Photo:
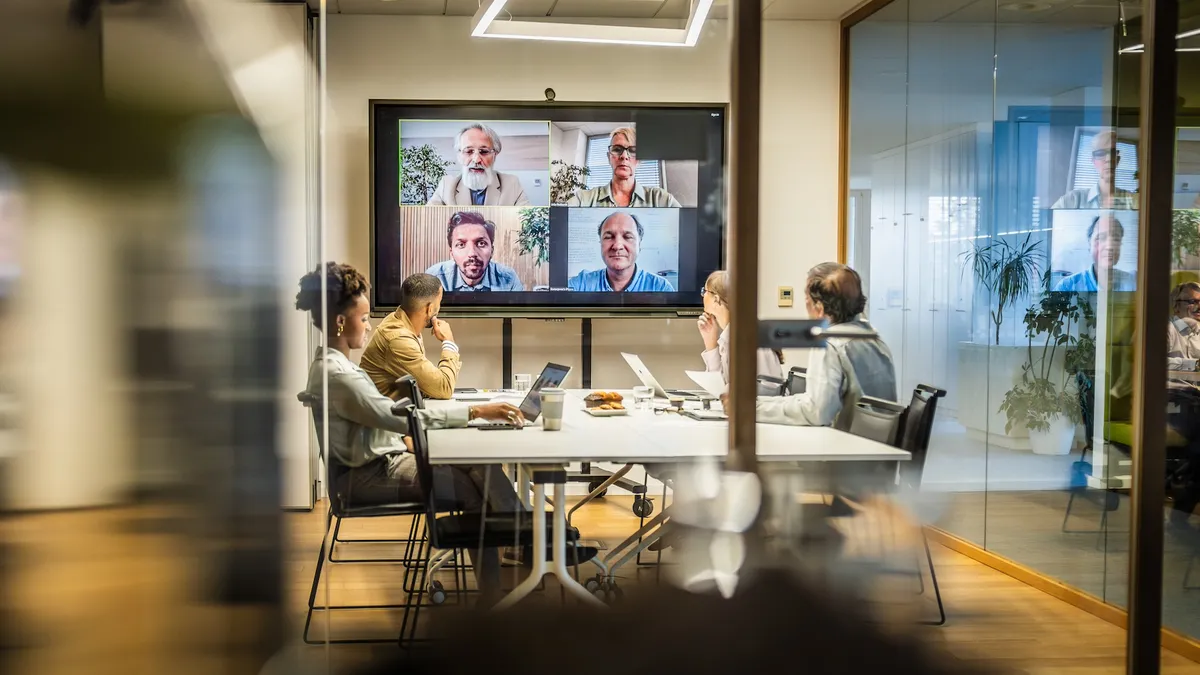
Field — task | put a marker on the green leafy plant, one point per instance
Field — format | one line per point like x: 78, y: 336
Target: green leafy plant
x: 1185, y: 233
x: 535, y: 233
x: 1059, y: 321
x: 1007, y: 271
x: 421, y: 171
x: 566, y: 180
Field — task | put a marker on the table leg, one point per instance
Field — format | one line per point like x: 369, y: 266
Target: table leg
x: 540, y: 567
x: 560, y: 549
x: 523, y: 489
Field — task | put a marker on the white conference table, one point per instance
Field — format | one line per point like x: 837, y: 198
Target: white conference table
x: 642, y: 437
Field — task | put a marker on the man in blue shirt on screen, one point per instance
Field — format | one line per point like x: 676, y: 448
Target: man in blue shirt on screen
x: 1105, y: 235
x: 620, y: 240
x: 472, y: 241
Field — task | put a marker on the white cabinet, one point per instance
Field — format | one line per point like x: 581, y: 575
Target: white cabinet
x: 925, y: 213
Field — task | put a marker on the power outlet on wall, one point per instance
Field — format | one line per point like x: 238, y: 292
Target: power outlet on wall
x: 785, y: 296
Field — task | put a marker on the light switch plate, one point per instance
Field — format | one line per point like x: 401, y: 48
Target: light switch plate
x: 785, y: 296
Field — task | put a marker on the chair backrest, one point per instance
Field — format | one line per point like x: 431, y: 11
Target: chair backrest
x: 797, y: 381
x: 771, y: 386
x: 918, y: 425
x: 421, y: 454
x: 407, y: 386
x: 878, y: 420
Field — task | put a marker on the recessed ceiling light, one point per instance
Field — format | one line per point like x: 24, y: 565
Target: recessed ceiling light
x: 1024, y: 6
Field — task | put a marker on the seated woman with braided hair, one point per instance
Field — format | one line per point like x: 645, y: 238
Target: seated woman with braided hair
x: 367, y: 439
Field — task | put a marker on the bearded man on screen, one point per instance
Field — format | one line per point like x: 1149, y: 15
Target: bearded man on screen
x: 478, y: 183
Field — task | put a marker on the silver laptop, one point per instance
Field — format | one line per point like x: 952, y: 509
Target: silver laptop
x: 553, y: 375
x: 643, y: 374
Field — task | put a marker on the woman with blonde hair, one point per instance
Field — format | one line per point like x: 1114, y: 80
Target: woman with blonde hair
x: 623, y: 190
x: 714, y: 328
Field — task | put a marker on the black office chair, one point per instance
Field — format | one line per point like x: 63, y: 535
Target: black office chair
x: 771, y: 386
x: 407, y: 386
x: 914, y: 438
x: 467, y: 531
x: 341, y: 507
x: 878, y: 420
x: 797, y: 380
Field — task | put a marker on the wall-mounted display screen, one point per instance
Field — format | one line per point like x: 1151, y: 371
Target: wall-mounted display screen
x: 546, y: 208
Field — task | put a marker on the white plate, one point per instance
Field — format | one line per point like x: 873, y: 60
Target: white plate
x: 595, y: 412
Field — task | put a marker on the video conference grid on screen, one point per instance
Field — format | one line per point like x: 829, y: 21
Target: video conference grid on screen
x: 543, y: 206
x: 1093, y: 218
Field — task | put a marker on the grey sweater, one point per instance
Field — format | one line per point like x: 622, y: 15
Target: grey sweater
x: 361, y: 424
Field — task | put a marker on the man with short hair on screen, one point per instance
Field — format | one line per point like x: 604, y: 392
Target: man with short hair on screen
x: 621, y: 237
x: 478, y: 183
x: 1105, y: 235
x: 1104, y: 194
x: 472, y: 238
x: 623, y: 189
x: 397, y: 348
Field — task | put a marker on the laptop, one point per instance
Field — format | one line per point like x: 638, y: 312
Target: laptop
x: 553, y: 375
x: 643, y: 374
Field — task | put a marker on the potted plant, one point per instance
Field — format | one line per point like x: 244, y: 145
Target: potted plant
x: 421, y: 171
x: 1185, y: 234
x: 566, y: 181
x: 1046, y: 400
x: 1008, y: 270
x: 534, y: 236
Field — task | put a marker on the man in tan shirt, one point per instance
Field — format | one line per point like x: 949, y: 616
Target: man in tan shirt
x: 396, y: 349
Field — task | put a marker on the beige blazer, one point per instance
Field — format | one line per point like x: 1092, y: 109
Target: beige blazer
x: 397, y: 349
x: 504, y: 190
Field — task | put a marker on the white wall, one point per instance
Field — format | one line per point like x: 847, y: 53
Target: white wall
x: 432, y: 58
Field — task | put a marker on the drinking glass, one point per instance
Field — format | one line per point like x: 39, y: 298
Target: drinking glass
x: 643, y: 398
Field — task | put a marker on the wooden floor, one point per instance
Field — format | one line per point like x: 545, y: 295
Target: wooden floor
x: 116, y: 591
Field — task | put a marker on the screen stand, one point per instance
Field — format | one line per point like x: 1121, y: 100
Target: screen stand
x: 585, y: 346
x: 506, y: 354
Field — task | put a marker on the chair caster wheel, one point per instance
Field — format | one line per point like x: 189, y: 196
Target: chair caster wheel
x: 592, y: 585
x: 592, y: 486
x: 642, y: 508
x: 437, y: 593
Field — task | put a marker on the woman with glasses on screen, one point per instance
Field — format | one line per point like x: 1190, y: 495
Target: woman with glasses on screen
x: 714, y: 329
x: 623, y: 190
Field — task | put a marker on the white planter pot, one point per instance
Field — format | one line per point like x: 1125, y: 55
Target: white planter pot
x: 1056, y: 440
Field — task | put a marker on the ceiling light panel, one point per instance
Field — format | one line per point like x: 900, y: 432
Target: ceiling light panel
x: 492, y: 21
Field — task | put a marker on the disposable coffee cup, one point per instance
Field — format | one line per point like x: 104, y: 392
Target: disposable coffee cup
x: 552, y: 409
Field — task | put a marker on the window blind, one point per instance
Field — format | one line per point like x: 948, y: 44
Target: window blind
x: 1086, y: 175
x: 648, y: 173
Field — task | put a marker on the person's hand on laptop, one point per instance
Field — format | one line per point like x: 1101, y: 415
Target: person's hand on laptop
x: 441, y: 331
x: 497, y: 412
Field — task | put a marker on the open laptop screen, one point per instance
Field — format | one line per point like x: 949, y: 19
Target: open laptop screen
x: 553, y: 375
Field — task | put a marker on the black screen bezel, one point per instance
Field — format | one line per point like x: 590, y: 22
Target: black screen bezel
x: 384, y: 142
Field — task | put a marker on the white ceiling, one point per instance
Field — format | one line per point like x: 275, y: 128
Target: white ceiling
x: 811, y: 10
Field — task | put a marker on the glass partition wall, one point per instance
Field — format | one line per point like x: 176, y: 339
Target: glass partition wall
x: 996, y: 146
